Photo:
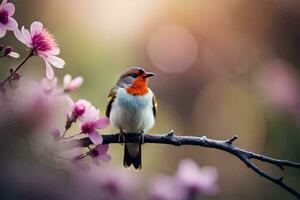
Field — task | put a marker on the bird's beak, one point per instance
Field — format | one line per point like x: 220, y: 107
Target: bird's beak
x: 148, y: 74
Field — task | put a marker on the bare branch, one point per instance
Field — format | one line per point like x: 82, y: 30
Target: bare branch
x: 224, y: 145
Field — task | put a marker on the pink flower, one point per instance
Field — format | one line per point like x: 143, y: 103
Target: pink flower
x: 42, y: 44
x: 6, y: 21
x: 278, y: 85
x: 117, y: 183
x: 197, y: 179
x: 167, y: 188
x: 99, y: 153
x: 91, y: 121
x: 111, y: 183
x: 80, y: 107
x: 72, y: 84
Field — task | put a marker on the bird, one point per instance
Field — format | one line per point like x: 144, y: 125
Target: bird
x: 132, y: 108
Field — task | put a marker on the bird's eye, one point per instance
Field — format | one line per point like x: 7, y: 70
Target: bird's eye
x: 134, y: 75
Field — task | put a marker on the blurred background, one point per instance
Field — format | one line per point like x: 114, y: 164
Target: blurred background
x: 223, y: 68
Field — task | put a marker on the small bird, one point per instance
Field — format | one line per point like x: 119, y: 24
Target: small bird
x: 132, y: 108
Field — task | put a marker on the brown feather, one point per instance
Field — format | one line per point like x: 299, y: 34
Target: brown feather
x: 111, y: 99
x: 155, y: 105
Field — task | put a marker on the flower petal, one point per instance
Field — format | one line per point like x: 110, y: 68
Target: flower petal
x: 12, y: 24
x: 56, y: 61
x: 75, y: 83
x: 2, y: 31
x: 95, y: 137
x: 26, y: 35
x: 105, y: 157
x: 102, y: 148
x: 102, y: 123
x: 49, y: 70
x: 67, y: 80
x: 36, y: 27
x: 55, y: 51
x: 95, y: 160
x: 91, y: 114
x: 3, y: 3
x: 14, y: 54
x: 18, y: 35
x: 10, y: 8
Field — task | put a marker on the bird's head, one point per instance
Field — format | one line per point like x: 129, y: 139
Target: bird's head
x: 134, y: 80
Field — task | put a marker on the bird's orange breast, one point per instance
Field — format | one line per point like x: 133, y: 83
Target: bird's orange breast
x: 138, y: 87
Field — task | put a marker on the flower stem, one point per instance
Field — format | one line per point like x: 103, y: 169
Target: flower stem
x: 18, y: 67
x: 63, y: 135
x: 80, y: 157
x: 72, y: 136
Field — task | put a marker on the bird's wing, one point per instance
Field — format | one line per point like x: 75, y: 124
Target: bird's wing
x: 154, y: 103
x: 111, y: 99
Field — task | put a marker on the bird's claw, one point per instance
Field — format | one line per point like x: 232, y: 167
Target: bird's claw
x: 121, y: 138
x: 142, y: 138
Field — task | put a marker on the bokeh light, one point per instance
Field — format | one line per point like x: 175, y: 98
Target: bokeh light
x: 172, y: 49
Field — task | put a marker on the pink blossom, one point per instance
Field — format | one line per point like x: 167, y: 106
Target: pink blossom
x: 99, y: 153
x: 197, y: 179
x: 167, y: 188
x: 80, y: 107
x: 6, y: 21
x: 72, y: 84
x: 30, y: 102
x: 7, y: 51
x: 43, y: 44
x: 112, y: 183
x: 91, y: 121
x: 117, y: 183
x: 279, y: 86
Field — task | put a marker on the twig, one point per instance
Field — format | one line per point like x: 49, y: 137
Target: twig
x: 30, y: 54
x: 224, y: 145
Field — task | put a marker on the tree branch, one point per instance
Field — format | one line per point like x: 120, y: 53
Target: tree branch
x: 224, y: 145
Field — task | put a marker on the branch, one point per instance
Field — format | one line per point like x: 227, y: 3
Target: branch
x: 224, y: 145
x: 30, y: 54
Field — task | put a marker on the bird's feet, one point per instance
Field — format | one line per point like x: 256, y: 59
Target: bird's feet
x: 142, y: 138
x: 121, y: 138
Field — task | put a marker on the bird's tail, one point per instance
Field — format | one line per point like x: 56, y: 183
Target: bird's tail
x: 132, y: 155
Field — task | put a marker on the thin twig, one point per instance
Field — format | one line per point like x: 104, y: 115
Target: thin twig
x: 70, y: 137
x: 224, y: 145
x: 30, y: 54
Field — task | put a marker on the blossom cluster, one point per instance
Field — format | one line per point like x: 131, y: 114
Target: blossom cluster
x: 81, y: 110
x: 33, y: 107
x: 189, y: 180
x: 38, y: 39
x: 41, y: 42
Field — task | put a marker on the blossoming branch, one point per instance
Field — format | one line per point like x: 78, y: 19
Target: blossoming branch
x: 37, y: 103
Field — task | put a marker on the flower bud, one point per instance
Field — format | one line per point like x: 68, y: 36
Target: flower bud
x: 78, y: 110
x: 7, y: 50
